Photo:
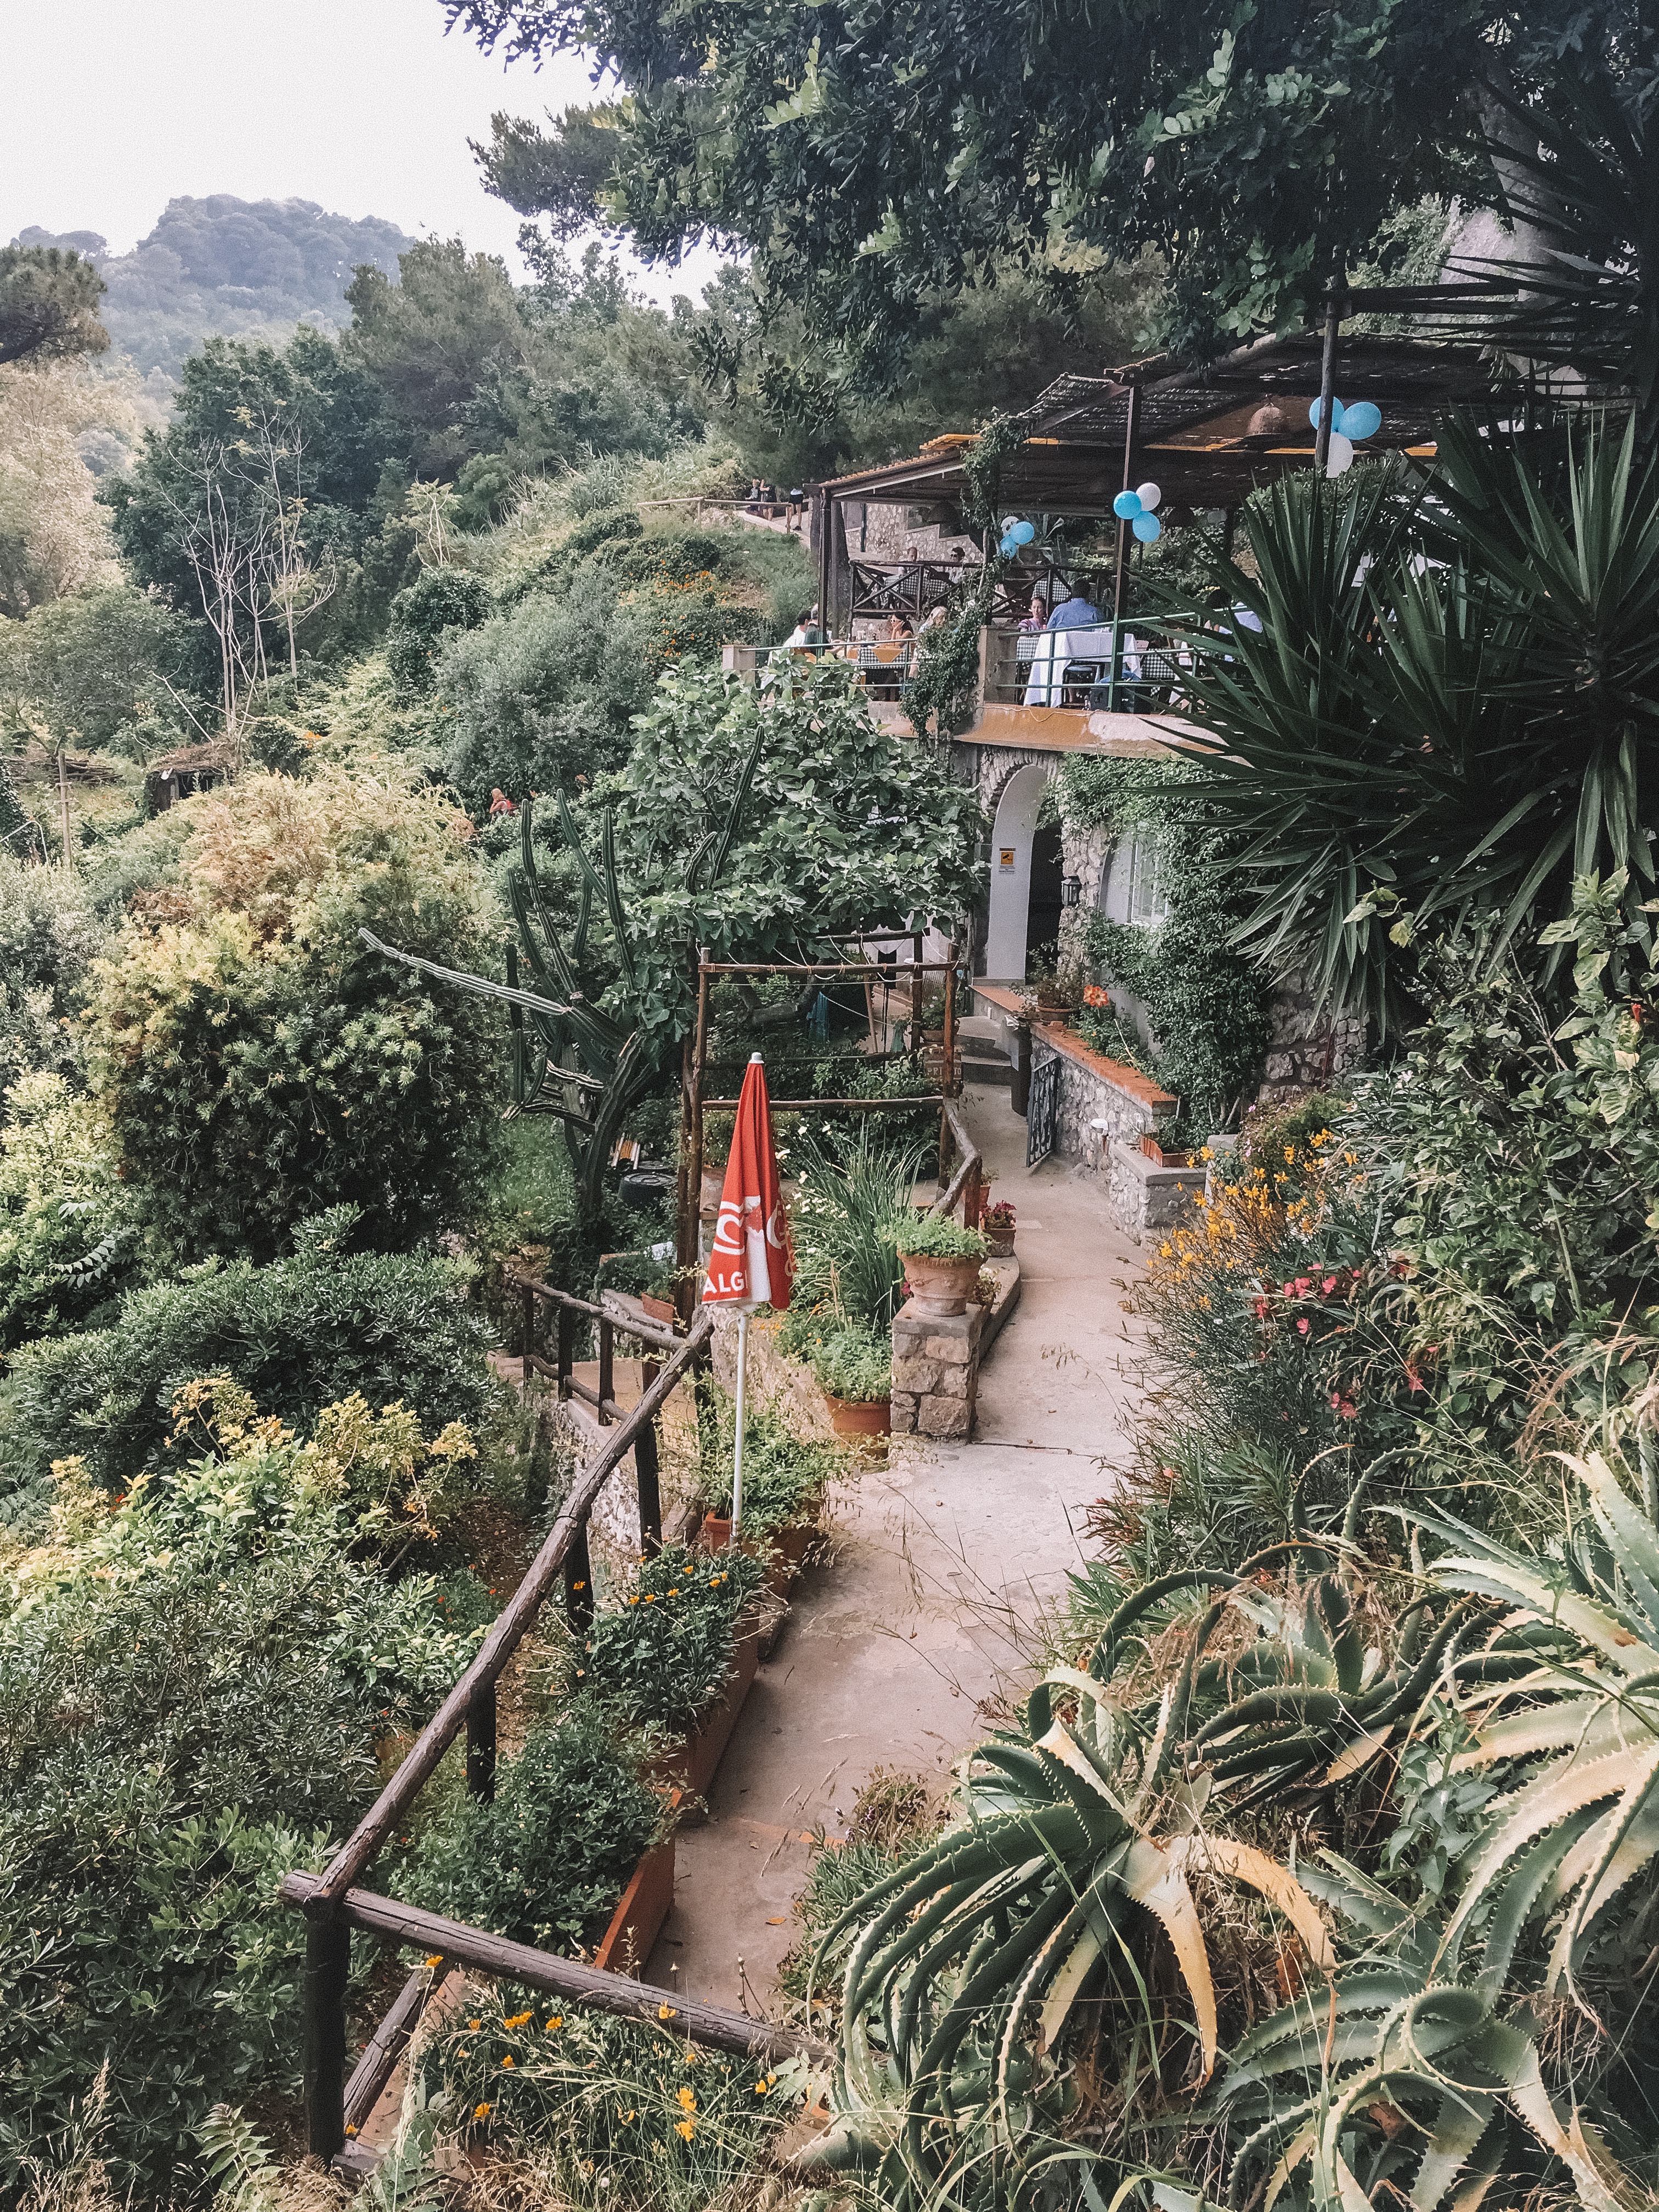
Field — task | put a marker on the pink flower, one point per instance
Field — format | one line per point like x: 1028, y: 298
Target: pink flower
x: 1302, y: 1326
x: 1328, y: 1284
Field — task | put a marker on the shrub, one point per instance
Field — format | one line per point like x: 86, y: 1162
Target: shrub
x: 258, y: 1063
x: 191, y: 1690
x: 439, y: 600
x: 846, y: 1224
x: 784, y: 1479
x: 855, y: 1366
x: 297, y: 1336
x: 51, y: 934
x: 545, y: 1861
x: 597, y: 2111
x: 66, y: 1231
x: 663, y: 1656
x: 940, y: 1237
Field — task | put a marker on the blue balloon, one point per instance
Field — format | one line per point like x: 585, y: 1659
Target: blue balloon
x: 1146, y: 527
x: 1127, y: 505
x: 1007, y: 549
x: 1023, y: 533
x: 1338, y: 413
x: 1364, y: 421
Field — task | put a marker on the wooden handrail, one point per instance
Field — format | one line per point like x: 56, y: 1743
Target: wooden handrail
x: 510, y: 1625
x: 522, y: 1964
x: 967, y: 1173
x: 649, y: 1332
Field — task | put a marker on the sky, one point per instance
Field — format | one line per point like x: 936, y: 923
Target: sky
x: 113, y: 107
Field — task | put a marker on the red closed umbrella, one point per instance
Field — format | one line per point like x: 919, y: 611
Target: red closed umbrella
x: 751, y: 1263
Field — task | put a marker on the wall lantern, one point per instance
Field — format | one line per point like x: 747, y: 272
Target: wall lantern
x: 1071, y: 890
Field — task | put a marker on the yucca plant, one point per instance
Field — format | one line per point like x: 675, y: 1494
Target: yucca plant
x: 1450, y: 705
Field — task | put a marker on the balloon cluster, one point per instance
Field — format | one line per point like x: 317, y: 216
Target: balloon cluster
x: 1014, y: 535
x: 1135, y: 508
x: 1348, y: 425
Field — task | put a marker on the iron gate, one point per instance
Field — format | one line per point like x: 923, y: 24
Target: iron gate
x: 1043, y: 1110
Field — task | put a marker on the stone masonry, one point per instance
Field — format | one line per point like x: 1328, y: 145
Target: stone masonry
x: 936, y: 1372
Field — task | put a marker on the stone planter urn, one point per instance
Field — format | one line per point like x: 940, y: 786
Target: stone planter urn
x: 941, y: 1286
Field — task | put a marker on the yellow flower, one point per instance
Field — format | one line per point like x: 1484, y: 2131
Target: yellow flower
x: 686, y: 2127
x: 556, y: 2023
x: 517, y: 2021
x: 482, y: 2111
x: 687, y: 2097
x: 436, y: 1958
x: 665, y: 2012
x: 507, y: 2061
x: 475, y: 2024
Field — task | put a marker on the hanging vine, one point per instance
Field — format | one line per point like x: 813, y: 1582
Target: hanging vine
x: 947, y: 682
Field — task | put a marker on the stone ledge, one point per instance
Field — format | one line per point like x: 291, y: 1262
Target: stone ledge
x: 1147, y: 1199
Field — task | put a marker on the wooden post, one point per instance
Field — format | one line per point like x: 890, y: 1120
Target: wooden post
x: 646, y: 1472
x: 529, y: 1335
x: 946, y: 1084
x: 480, y: 1741
x: 915, y: 1000
x: 1336, y: 298
x: 567, y: 1353
x: 690, y: 1232
x: 63, y: 802
x: 1119, y: 581
x: 607, y: 1369
x: 328, y: 1963
x: 579, y: 1585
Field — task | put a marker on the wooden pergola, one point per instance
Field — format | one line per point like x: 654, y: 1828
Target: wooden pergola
x: 1208, y: 437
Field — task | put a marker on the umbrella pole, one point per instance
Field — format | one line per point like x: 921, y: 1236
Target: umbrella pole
x: 737, y: 1441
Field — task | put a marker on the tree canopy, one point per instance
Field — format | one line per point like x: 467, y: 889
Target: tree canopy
x: 48, y: 304
x: 870, y: 157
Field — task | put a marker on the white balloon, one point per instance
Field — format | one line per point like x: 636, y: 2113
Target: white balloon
x: 1149, y: 495
x: 1340, y: 457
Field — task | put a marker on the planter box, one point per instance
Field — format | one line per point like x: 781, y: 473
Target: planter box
x: 692, y: 1768
x: 660, y: 1309
x: 1001, y: 1242
x: 637, y: 1921
x: 1160, y: 1158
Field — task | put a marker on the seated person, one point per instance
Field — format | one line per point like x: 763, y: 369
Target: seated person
x: 1036, y: 616
x: 806, y: 632
x: 1075, y: 613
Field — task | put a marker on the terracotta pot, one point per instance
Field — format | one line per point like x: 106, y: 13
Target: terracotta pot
x: 716, y: 1533
x: 859, y: 1417
x: 941, y: 1286
x: 713, y: 1182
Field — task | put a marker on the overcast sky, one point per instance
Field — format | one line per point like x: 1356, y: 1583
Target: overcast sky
x: 113, y: 107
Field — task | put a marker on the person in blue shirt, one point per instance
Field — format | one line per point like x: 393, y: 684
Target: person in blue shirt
x: 1076, y: 613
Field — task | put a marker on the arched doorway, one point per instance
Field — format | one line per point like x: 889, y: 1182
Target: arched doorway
x: 1042, y: 905
x: 1008, y: 924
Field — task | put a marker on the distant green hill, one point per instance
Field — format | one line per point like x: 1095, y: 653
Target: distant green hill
x: 239, y: 268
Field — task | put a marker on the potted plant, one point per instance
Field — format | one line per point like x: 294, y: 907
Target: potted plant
x: 942, y: 1260
x: 1174, y: 1157
x: 998, y: 1223
x: 854, y: 1370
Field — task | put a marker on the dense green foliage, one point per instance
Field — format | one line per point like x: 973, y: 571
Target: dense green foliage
x: 546, y: 1859
x: 49, y: 298
x: 67, y: 1230
x: 191, y: 1690
x: 1207, y: 1005
x: 299, y: 1336
x: 662, y: 1656
x: 1368, y: 794
x: 871, y: 164
x: 257, y: 1064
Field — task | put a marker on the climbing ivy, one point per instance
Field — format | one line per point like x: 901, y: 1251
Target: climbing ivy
x: 1209, y: 1007
x: 946, y: 681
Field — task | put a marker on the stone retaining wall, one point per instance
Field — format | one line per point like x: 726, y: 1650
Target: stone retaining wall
x: 1148, y: 1201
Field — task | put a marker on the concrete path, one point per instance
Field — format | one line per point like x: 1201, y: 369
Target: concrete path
x: 899, y: 1652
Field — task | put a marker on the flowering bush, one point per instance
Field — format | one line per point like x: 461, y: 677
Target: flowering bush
x: 663, y: 1655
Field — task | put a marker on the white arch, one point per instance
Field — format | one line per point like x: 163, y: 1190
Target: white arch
x: 1010, y: 873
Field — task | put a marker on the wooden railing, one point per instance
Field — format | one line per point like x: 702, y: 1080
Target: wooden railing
x: 966, y: 1187
x: 334, y: 1903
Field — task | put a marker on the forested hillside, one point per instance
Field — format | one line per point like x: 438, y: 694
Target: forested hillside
x: 230, y: 268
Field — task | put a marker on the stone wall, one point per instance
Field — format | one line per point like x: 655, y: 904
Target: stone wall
x: 1307, y: 1050
x: 936, y: 1372
x: 1148, y: 1201
x: 1099, y: 1100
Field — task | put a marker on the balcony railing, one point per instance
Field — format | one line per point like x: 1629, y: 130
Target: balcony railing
x: 1109, y: 664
